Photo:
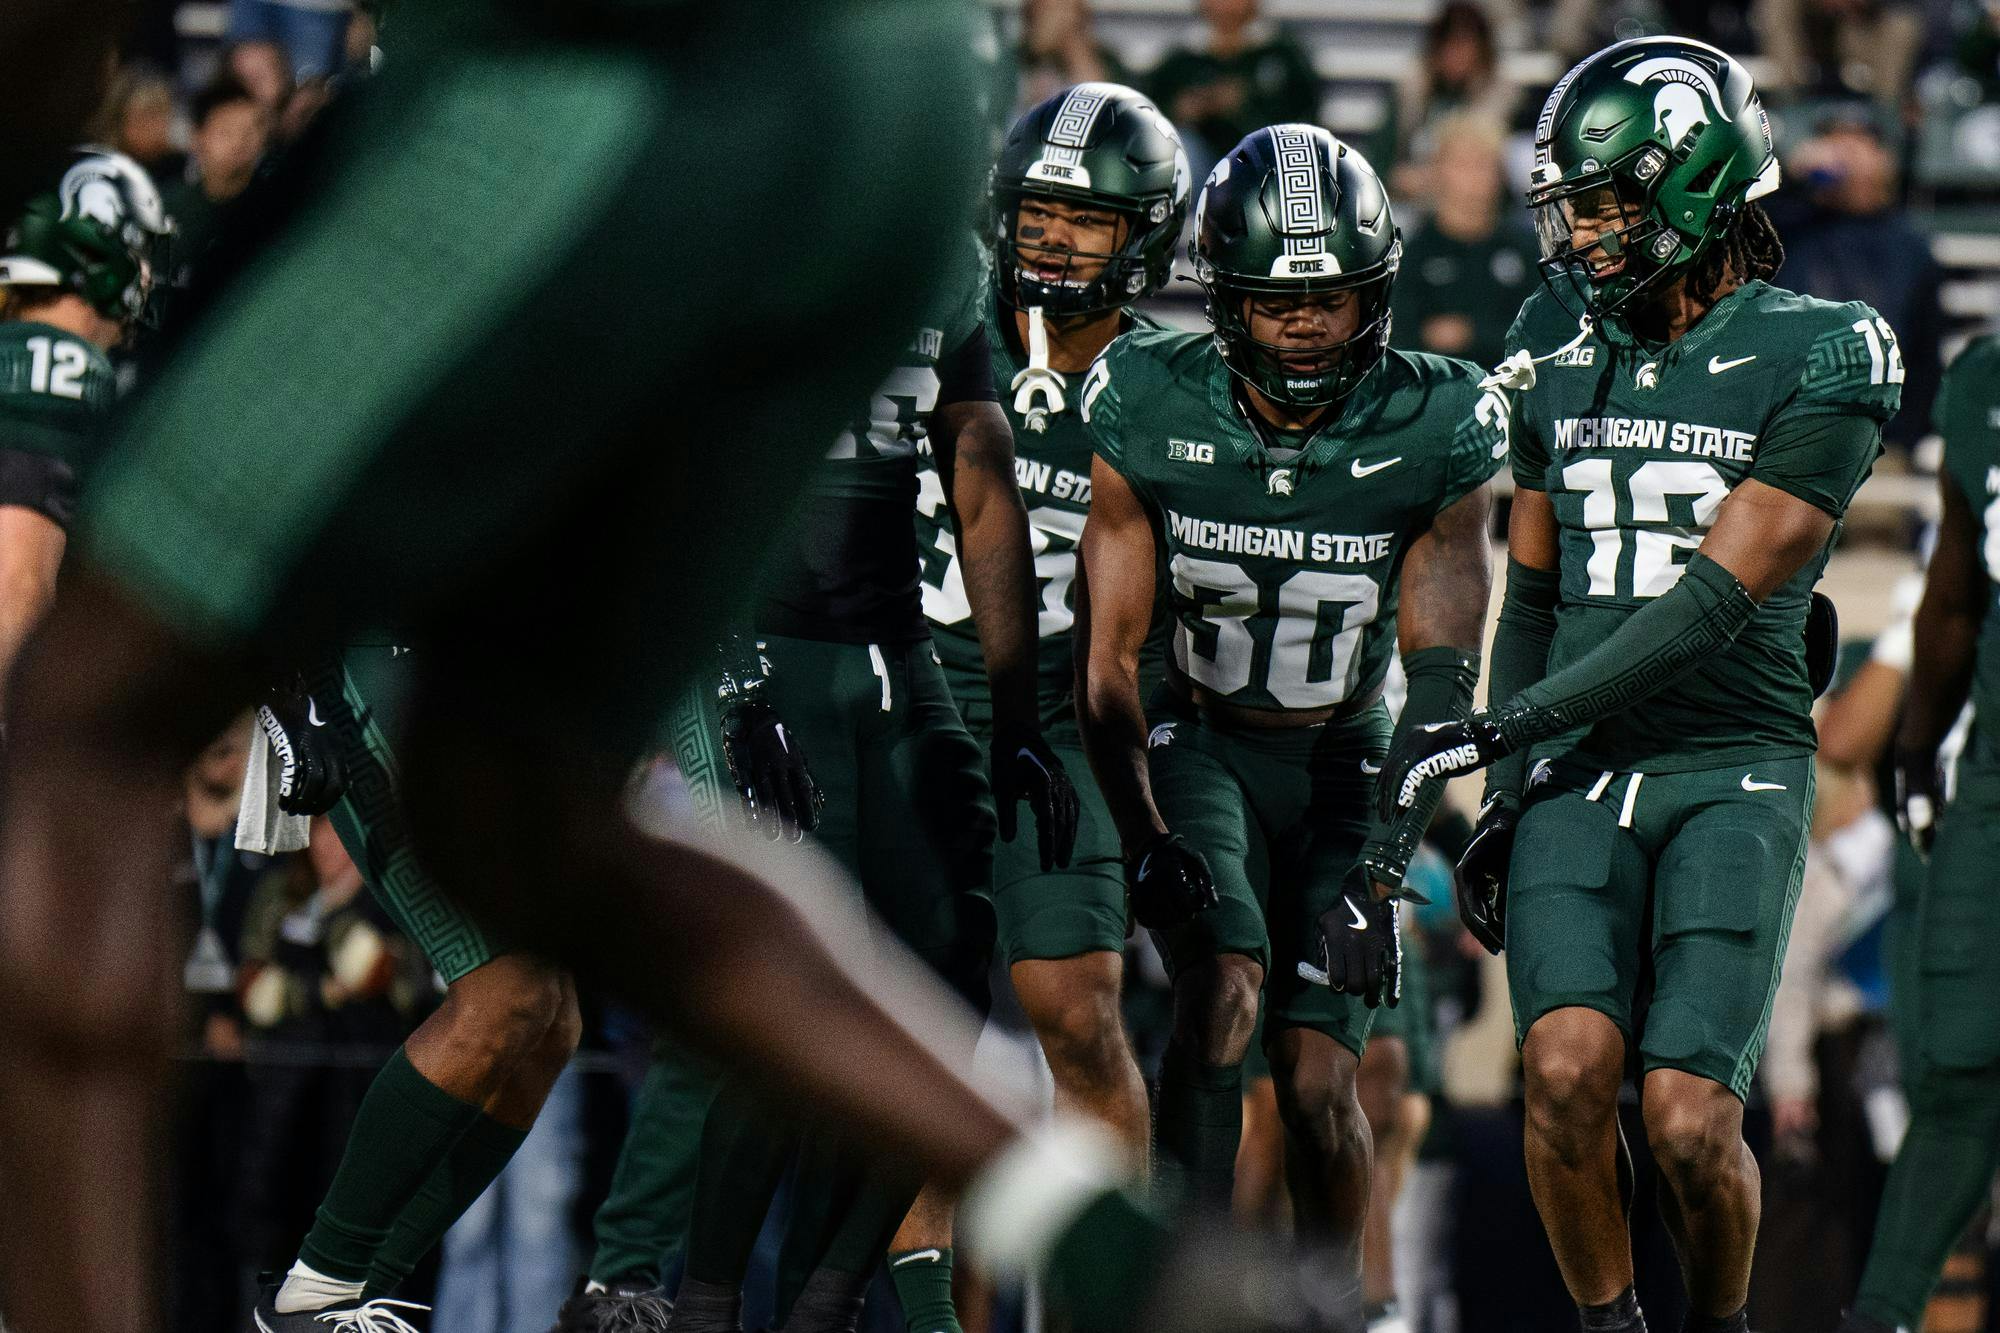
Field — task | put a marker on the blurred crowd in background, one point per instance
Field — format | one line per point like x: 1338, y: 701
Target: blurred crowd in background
x: 1887, y: 114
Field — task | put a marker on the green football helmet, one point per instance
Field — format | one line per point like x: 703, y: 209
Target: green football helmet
x: 1658, y: 142
x: 1104, y: 145
x: 101, y: 233
x: 1288, y: 212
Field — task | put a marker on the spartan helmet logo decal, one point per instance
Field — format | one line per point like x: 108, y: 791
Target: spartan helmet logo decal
x: 1279, y: 482
x: 1648, y: 376
x: 1687, y: 99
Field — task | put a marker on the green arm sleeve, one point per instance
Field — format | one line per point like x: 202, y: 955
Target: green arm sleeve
x: 1521, y: 642
x: 1657, y: 645
x: 1441, y: 683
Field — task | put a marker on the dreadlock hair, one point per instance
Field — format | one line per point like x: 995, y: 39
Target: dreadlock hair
x: 1748, y: 251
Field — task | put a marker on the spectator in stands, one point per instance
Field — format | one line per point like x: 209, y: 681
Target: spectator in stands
x: 1977, y: 50
x: 1848, y: 239
x: 1241, y: 74
x: 1578, y: 27
x: 1459, y: 72
x: 1469, y: 265
x: 312, y: 34
x: 138, y: 120
x: 263, y: 68
x: 1829, y: 48
x: 1059, y: 47
x: 232, y: 128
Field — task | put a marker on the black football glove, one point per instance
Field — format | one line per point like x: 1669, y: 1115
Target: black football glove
x: 1480, y: 877
x: 1435, y: 750
x: 779, y: 795
x: 311, y: 777
x: 1919, y: 797
x: 1169, y: 883
x: 1023, y: 767
x: 1360, y: 944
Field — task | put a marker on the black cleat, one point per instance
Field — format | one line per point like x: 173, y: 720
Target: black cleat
x: 357, y: 1316
x: 627, y: 1305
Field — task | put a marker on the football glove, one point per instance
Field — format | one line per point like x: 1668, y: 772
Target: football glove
x: 1480, y: 877
x: 1435, y: 750
x: 1023, y: 767
x: 1169, y: 883
x: 779, y: 795
x: 1919, y: 797
x: 311, y: 776
x: 1360, y: 944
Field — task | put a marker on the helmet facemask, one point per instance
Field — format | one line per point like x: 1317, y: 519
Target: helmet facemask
x: 1340, y: 366
x: 1122, y: 276
x: 1624, y: 252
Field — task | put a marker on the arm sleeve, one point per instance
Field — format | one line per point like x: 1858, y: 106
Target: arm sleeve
x: 1655, y: 646
x: 1521, y: 643
x: 1441, y: 685
x: 965, y: 374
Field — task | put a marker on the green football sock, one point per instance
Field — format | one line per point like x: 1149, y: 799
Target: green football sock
x: 473, y: 1164
x: 923, y: 1285
x: 1196, y: 1126
x: 1939, y: 1181
x: 405, y: 1128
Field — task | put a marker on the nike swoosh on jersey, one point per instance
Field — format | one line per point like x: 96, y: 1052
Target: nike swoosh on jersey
x: 1360, y: 922
x: 312, y: 711
x: 1749, y: 785
x: 1716, y: 365
x: 1370, y: 769
x: 1371, y: 469
x: 918, y: 1257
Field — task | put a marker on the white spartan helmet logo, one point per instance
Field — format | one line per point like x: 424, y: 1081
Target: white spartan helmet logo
x: 1648, y: 376
x: 1279, y: 482
x: 1683, y: 101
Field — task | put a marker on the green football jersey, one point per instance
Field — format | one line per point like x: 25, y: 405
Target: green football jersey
x: 848, y: 570
x: 1283, y: 572
x: 1052, y: 467
x: 55, y: 390
x: 1968, y: 416
x: 1637, y: 448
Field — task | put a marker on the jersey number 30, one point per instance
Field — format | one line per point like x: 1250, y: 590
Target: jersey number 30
x: 1315, y: 641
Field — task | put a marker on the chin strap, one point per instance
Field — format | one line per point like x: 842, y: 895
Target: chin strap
x: 1516, y: 374
x: 1038, y: 381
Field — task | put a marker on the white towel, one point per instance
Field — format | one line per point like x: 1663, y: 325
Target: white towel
x: 260, y: 825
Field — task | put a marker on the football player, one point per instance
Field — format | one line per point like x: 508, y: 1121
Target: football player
x: 1948, y: 1157
x: 908, y: 810
x: 1686, y: 437
x: 1086, y: 206
x: 76, y: 274
x: 451, y: 1106
x: 1314, y: 497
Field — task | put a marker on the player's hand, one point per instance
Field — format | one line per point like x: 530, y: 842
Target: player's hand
x: 1919, y: 797
x: 1480, y: 877
x: 1435, y: 750
x: 1025, y: 768
x: 779, y: 794
x: 1169, y: 882
x: 1360, y: 944
x: 311, y: 777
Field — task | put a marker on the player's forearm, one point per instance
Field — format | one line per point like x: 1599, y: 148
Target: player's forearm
x: 26, y: 594
x: 1521, y: 643
x: 999, y: 578
x: 1655, y: 646
x: 1114, y: 740
x: 1940, y: 676
x: 1441, y: 685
